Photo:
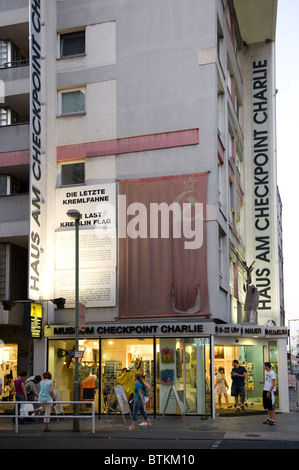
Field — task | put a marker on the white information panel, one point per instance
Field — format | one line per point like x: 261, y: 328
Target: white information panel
x: 97, y: 245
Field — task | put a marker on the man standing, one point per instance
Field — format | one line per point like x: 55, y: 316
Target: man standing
x: 268, y: 393
x: 238, y: 375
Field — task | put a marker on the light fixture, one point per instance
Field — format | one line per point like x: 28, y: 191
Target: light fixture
x: 59, y: 302
x: 74, y: 214
x: 8, y: 304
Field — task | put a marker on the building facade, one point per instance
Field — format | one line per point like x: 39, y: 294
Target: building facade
x: 156, y: 122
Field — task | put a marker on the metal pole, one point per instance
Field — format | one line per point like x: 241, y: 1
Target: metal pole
x: 291, y: 367
x: 76, y: 216
x: 290, y: 342
x: 76, y: 379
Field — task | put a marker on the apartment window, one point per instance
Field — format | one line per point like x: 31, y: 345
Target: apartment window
x: 232, y: 278
x: 3, y: 117
x: 71, y: 101
x: 72, y: 43
x: 72, y: 173
x: 221, y: 185
x: 220, y: 37
x: 232, y: 196
x: 221, y: 252
x: 9, y: 116
x: 3, y: 53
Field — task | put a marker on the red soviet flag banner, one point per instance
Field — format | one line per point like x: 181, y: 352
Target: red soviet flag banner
x: 162, y: 246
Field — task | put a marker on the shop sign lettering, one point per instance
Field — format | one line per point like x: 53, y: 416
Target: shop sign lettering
x: 130, y: 330
x: 165, y: 329
x: 263, y: 187
x: 35, y: 149
x: 249, y: 331
x: 277, y: 332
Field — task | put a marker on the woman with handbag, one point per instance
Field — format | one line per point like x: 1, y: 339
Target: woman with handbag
x: 139, y: 394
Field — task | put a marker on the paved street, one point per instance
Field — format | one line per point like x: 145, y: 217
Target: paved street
x: 170, y: 435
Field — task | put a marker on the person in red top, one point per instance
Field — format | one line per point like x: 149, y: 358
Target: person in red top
x: 21, y: 394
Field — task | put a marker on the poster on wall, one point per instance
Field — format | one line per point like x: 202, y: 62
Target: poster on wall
x: 162, y: 222
x: 97, y: 245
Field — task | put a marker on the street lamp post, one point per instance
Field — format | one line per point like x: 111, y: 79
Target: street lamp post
x: 76, y: 216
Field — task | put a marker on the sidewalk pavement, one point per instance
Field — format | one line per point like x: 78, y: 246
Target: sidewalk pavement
x: 238, y: 426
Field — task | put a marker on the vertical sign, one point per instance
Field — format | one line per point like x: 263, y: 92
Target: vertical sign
x: 263, y: 187
x: 35, y: 149
x: 36, y: 315
x: 33, y: 316
x: 82, y: 311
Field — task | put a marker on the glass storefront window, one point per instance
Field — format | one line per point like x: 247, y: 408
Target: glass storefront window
x: 106, y: 363
x: 8, y: 370
x: 61, y: 366
x: 121, y: 360
x: 189, y: 372
x: 252, y: 358
x: 183, y: 363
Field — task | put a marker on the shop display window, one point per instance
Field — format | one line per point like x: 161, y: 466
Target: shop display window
x: 252, y: 358
x: 121, y: 360
x: 187, y: 367
x: 183, y: 363
x: 164, y: 362
x: 61, y: 366
x: 8, y: 370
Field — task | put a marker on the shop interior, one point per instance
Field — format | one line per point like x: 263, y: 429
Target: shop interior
x: 61, y: 365
x: 8, y: 370
x: 182, y: 362
x: 252, y: 358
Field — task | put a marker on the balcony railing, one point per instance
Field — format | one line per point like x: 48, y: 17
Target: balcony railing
x: 14, y: 137
x: 15, y: 63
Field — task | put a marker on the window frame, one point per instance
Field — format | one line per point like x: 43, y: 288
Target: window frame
x: 70, y: 90
x: 73, y: 183
x: 64, y: 34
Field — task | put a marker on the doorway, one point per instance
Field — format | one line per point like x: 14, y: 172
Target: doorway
x: 252, y: 358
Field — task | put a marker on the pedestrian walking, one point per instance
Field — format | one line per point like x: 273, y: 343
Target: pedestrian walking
x: 46, y: 397
x: 145, y: 397
x: 268, y: 393
x: 139, y: 394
